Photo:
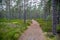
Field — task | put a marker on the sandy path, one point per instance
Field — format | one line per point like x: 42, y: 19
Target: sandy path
x: 34, y: 32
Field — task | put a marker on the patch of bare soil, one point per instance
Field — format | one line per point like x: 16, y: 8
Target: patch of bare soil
x: 34, y: 32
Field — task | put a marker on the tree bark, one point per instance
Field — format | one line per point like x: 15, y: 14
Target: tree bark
x: 54, y: 16
x: 8, y: 9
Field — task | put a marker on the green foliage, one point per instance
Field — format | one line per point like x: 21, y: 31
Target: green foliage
x: 50, y: 36
x: 11, y: 29
x: 46, y: 25
x: 58, y: 27
x: 28, y: 22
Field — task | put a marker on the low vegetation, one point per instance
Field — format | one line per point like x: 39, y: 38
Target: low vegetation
x: 13, y: 29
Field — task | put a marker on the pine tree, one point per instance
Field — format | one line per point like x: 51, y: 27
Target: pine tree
x: 54, y: 13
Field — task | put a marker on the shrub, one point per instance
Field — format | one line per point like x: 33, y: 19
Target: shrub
x: 12, y: 29
x: 46, y: 25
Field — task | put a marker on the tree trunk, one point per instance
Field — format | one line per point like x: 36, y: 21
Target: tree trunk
x: 25, y: 10
x: 8, y: 8
x: 54, y: 16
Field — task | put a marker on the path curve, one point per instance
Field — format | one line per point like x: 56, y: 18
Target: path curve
x: 34, y: 32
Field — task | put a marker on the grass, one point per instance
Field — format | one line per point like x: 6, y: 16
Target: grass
x: 46, y: 25
x: 49, y: 36
x: 13, y: 29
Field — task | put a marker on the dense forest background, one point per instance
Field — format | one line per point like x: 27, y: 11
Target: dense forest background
x: 16, y: 15
x: 12, y: 9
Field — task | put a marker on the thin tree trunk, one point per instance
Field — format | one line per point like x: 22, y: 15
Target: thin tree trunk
x: 25, y: 11
x: 8, y: 8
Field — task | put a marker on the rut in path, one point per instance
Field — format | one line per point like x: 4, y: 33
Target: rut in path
x: 34, y: 32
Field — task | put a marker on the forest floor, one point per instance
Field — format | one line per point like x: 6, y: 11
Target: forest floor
x: 34, y: 32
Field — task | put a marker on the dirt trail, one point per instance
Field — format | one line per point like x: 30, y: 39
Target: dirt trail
x: 34, y: 32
